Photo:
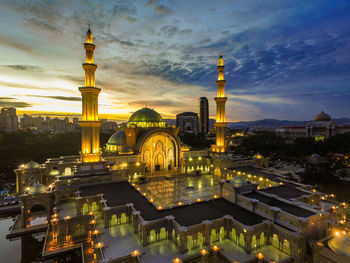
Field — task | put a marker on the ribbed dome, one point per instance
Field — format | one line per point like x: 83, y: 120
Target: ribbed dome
x: 322, y: 117
x: 31, y: 165
x: 146, y: 115
x: 118, y: 138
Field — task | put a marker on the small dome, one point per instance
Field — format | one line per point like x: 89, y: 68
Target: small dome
x: 116, y: 142
x: 237, y: 181
x: 37, y: 189
x: 146, y: 118
x: 89, y: 38
x: 146, y: 115
x: 31, y: 165
x: 118, y: 138
x: 322, y: 117
x: 221, y: 60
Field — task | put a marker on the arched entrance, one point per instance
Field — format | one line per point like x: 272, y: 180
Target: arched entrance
x: 159, y: 162
x: 159, y: 150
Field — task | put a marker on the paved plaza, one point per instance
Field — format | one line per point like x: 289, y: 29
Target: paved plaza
x: 167, y: 192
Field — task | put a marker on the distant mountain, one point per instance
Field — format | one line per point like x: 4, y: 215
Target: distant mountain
x: 265, y: 123
x: 273, y: 123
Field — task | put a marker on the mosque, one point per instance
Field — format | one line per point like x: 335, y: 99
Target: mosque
x: 319, y: 128
x: 202, y: 205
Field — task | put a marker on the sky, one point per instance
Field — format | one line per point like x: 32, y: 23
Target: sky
x: 283, y: 59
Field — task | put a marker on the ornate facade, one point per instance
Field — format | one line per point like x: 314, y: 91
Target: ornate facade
x: 146, y: 137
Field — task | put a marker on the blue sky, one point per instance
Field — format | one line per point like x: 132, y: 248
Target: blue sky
x: 284, y: 59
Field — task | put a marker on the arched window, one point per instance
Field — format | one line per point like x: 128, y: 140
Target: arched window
x: 68, y: 171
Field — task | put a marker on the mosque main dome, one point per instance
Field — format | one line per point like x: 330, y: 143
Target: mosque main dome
x: 146, y: 117
x: 322, y: 117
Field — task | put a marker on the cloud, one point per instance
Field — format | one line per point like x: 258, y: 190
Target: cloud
x: 41, y: 25
x: 109, y: 38
x: 157, y: 103
x: 160, y: 8
x: 19, y: 86
x: 12, y: 102
x: 13, y: 43
x: 169, y: 29
x: 58, y: 97
x: 23, y: 67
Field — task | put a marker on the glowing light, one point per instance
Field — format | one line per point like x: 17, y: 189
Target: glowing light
x: 93, y: 222
x: 67, y: 217
x: 135, y: 253
x: 314, y: 190
x: 159, y: 208
x: 91, y: 213
x: 215, y: 248
x: 198, y: 199
x: 137, y: 164
x: 204, y: 252
x: 151, y: 200
x: 260, y: 255
x: 337, y: 233
x: 99, y: 245
x: 177, y: 260
x: 95, y: 232
x: 216, y: 197
x: 28, y: 188
x: 190, y: 159
x: 179, y: 203
x: 199, y: 158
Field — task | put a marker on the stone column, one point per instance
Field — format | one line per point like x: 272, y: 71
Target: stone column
x: 183, y: 239
x: 136, y: 221
x: 78, y: 205
x: 254, y: 203
x: 106, y: 215
x: 206, y: 232
x: 248, y: 242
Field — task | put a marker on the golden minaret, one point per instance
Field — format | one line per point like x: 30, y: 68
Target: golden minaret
x: 90, y: 125
x: 220, y: 124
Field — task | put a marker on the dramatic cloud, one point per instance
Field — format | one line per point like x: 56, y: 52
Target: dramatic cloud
x: 58, y: 97
x: 12, y: 102
x: 22, y: 67
x: 283, y: 59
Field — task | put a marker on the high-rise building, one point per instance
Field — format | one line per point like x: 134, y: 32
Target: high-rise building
x: 187, y: 122
x: 220, y: 124
x: 203, y: 112
x: 9, y: 119
x: 90, y: 124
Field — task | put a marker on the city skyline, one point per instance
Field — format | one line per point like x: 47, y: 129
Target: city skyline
x: 283, y: 60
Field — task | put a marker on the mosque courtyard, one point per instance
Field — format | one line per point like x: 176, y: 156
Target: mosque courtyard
x: 167, y: 192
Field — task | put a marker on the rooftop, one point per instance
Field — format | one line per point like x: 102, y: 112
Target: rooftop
x: 286, y: 191
x: 289, y: 208
x: 123, y: 193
